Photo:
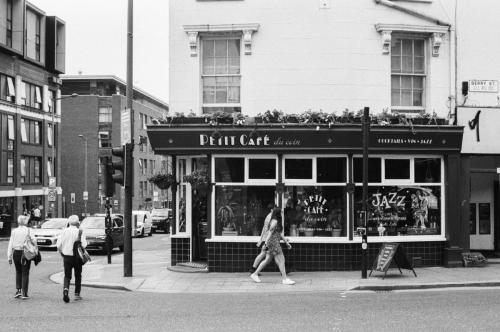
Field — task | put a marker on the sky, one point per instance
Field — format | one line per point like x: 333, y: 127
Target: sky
x: 96, y: 39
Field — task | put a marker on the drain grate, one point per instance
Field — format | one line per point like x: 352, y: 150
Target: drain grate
x: 193, y: 265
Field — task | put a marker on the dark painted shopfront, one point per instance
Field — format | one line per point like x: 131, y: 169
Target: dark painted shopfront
x: 314, y: 173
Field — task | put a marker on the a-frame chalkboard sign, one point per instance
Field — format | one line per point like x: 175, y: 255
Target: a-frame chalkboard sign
x: 388, y: 253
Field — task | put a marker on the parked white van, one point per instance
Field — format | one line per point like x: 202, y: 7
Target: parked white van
x: 141, y: 223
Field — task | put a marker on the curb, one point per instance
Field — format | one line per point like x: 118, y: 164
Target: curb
x: 102, y: 286
x: 426, y: 286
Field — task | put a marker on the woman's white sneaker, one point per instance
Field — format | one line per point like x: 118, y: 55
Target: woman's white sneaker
x: 255, y: 277
x: 288, y: 282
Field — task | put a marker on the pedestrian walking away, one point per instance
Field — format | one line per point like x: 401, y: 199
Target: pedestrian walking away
x: 263, y: 237
x: 15, y: 254
x: 67, y: 244
x: 273, y: 248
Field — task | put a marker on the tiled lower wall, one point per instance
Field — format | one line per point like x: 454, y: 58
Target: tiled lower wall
x: 239, y: 257
x: 180, y: 250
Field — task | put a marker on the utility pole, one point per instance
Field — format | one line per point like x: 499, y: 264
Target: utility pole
x: 127, y: 258
x: 364, y: 235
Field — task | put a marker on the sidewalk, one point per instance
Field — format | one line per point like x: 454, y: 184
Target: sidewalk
x: 150, y: 274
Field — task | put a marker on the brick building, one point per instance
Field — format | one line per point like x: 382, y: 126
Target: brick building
x: 32, y: 56
x: 93, y: 118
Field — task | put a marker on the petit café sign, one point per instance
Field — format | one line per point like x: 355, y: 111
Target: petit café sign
x: 246, y: 140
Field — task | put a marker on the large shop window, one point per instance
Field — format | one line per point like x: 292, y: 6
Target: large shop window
x: 315, y: 211
x: 244, y: 193
x: 407, y: 202
x: 241, y: 210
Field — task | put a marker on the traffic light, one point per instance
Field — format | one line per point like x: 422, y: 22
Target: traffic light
x: 109, y: 185
x: 122, y: 168
x: 118, y: 165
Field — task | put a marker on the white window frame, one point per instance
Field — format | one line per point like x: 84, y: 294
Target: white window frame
x: 247, y: 182
x: 10, y: 128
x: 50, y: 133
x: 226, y: 37
x: 413, y: 37
x: 299, y: 182
x: 24, y: 136
x: 441, y: 184
x: 101, y: 133
x: 49, y: 168
x: 411, y: 161
x: 11, y: 90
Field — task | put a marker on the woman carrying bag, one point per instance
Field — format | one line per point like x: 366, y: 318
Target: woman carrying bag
x: 15, y: 253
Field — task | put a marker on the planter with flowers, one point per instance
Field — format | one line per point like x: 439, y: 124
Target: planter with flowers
x: 163, y: 180
x: 197, y: 179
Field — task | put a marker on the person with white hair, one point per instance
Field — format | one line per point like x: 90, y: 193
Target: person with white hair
x: 15, y: 254
x: 71, y: 260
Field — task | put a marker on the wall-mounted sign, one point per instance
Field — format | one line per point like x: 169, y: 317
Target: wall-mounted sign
x: 191, y: 140
x: 483, y: 86
x: 480, y: 129
x: 73, y: 198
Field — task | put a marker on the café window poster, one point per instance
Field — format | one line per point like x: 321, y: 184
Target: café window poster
x: 314, y: 211
x: 400, y: 210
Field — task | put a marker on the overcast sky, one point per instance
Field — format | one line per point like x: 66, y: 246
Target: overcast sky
x: 96, y: 39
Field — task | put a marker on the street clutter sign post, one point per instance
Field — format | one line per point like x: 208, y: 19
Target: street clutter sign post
x: 73, y: 198
x: 85, y: 195
x: 125, y: 136
x: 388, y: 253
x: 52, y: 193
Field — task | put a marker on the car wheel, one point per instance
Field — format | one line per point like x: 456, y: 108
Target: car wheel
x: 150, y: 232
x: 121, y: 248
x: 142, y: 232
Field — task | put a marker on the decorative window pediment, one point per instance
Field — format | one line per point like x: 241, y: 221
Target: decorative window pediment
x: 435, y: 32
x: 246, y: 30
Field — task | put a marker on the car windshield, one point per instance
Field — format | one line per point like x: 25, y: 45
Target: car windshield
x: 93, y: 222
x: 159, y: 213
x: 55, y: 223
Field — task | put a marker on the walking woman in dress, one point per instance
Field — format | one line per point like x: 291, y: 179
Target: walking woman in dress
x: 273, y: 249
x: 15, y: 254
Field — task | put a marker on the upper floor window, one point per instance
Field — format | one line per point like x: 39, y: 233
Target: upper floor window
x: 105, y: 114
x: 32, y: 95
x: 104, y: 139
x: 407, y: 74
x: 50, y: 135
x: 33, y: 34
x: 30, y: 169
x: 30, y: 131
x: 7, y: 90
x: 8, y: 23
x: 221, y: 77
x: 52, y: 102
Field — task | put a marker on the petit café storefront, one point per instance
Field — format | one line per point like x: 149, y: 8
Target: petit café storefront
x: 314, y: 174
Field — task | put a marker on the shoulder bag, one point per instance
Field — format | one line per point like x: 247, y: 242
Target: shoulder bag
x: 30, y: 249
x: 79, y: 252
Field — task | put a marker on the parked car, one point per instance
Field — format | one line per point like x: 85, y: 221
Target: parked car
x: 95, y: 232
x: 161, y: 219
x: 141, y: 223
x: 46, y: 235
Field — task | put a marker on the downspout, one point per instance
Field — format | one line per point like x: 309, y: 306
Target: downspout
x: 412, y: 12
x: 455, y: 49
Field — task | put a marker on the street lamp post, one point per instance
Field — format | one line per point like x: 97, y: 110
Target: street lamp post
x: 85, y: 195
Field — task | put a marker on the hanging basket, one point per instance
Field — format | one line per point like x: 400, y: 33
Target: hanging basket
x: 197, y: 179
x: 163, y: 180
